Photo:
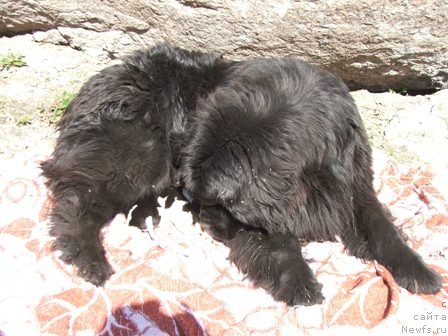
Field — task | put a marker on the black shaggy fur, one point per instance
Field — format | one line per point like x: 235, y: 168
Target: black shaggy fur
x: 279, y: 153
x: 119, y: 145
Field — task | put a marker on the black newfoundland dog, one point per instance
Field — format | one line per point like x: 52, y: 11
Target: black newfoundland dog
x: 272, y: 151
x: 277, y: 154
x: 119, y: 145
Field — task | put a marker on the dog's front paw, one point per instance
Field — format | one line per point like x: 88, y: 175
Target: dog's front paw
x: 91, y: 263
x: 138, y: 222
x: 95, y: 272
x: 417, y: 278
x: 294, y: 289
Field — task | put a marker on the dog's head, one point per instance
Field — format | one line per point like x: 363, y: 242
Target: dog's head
x: 227, y: 159
x: 215, y: 175
x: 241, y: 150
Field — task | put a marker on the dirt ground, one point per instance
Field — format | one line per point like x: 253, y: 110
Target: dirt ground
x: 411, y: 129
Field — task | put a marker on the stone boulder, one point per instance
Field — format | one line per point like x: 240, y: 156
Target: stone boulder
x: 378, y: 45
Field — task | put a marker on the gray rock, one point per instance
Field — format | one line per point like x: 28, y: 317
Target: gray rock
x: 30, y: 92
x: 370, y: 44
x: 412, y: 130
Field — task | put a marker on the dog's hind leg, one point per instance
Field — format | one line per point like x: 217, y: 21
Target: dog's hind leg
x: 355, y: 239
x: 75, y: 223
x: 275, y: 263
x: 384, y: 241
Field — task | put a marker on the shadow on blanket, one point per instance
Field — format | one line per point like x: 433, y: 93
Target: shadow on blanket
x: 164, y: 321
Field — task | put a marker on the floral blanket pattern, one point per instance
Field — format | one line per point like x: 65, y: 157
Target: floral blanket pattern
x: 176, y: 280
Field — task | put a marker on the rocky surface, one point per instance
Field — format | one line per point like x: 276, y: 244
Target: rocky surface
x: 379, y: 44
x: 27, y: 93
x: 412, y: 130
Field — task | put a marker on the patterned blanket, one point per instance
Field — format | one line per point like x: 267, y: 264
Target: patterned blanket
x: 176, y: 280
